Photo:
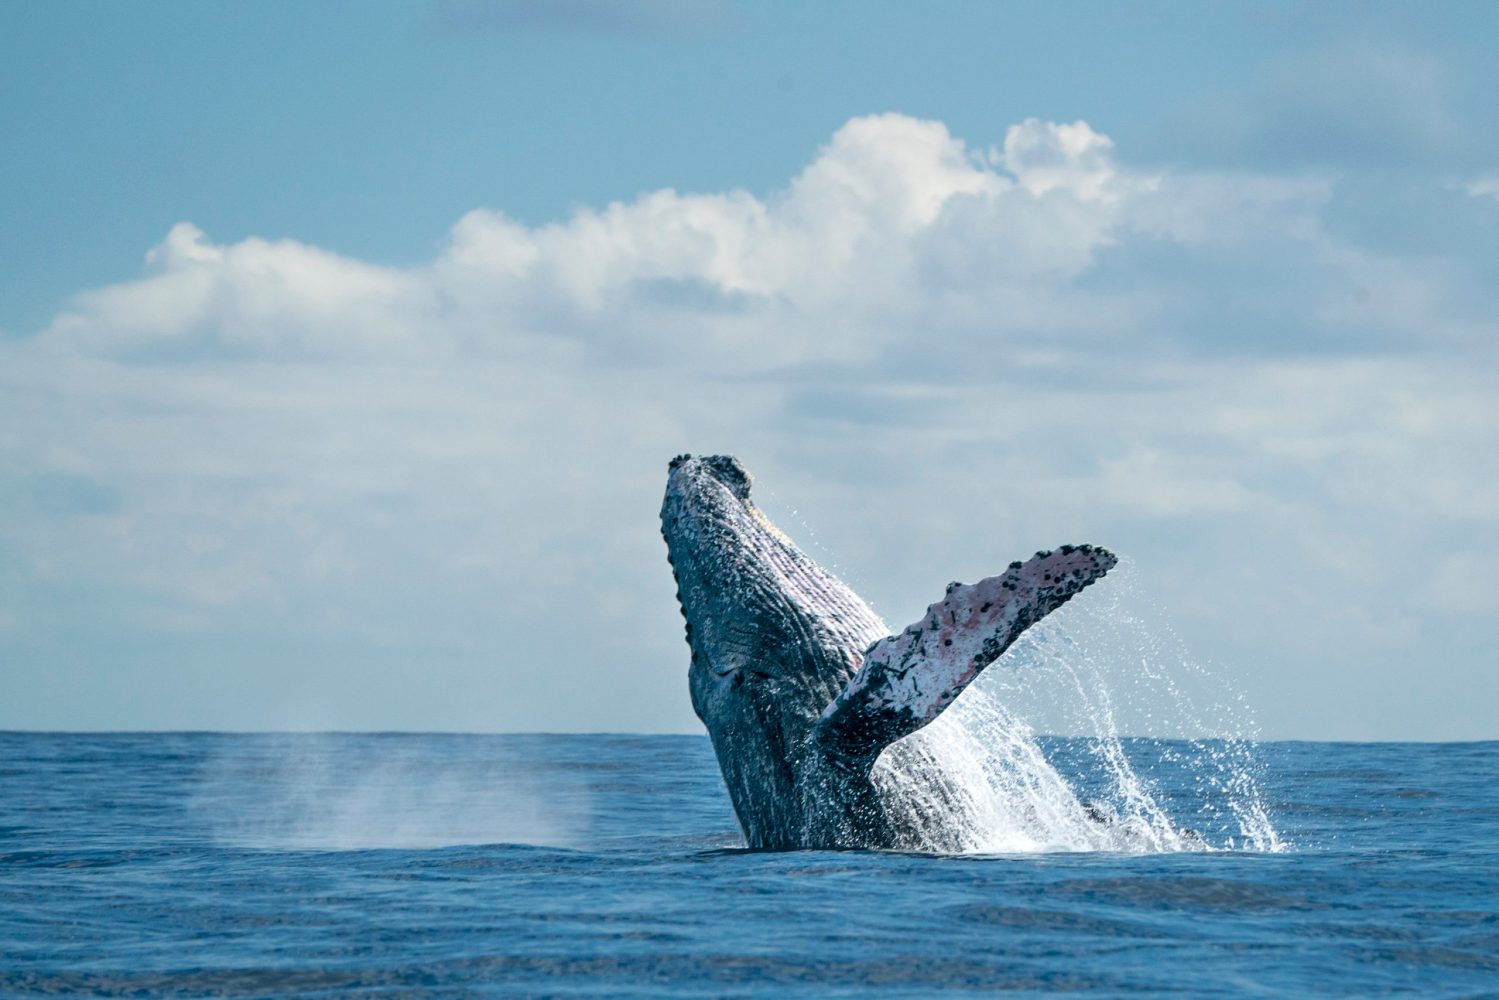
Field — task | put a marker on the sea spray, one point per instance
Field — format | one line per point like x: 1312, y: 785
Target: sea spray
x: 980, y: 780
x: 977, y: 780
x: 111, y: 889
x: 348, y: 791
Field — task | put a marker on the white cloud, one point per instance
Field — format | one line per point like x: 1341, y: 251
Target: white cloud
x: 1044, y: 156
x: 889, y: 201
x: 257, y: 297
x: 1484, y: 187
x: 942, y: 358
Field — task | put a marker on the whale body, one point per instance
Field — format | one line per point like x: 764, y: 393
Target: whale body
x: 799, y: 683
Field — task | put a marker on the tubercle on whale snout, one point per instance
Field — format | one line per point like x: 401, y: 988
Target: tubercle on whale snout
x: 725, y: 469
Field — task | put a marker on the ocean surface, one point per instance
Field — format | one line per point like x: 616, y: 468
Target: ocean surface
x: 202, y: 864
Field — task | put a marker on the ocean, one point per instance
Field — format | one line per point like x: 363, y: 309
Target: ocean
x: 333, y: 865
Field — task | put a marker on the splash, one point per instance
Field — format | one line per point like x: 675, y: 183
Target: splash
x: 979, y: 779
x: 331, y: 791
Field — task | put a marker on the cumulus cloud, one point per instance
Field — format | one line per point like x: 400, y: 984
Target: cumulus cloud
x: 447, y: 474
x: 1045, y: 155
x: 890, y: 205
x: 895, y: 222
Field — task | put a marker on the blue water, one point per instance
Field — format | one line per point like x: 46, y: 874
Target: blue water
x: 444, y: 865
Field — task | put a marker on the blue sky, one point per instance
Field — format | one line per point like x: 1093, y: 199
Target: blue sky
x: 342, y: 346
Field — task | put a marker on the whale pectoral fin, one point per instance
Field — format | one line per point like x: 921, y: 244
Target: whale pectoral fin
x: 906, y: 680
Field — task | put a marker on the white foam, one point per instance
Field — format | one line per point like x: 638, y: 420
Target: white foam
x: 325, y: 791
x: 979, y: 780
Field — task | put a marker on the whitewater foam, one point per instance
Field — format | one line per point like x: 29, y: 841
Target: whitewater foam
x: 980, y: 780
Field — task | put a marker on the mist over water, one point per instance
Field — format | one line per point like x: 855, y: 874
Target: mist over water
x: 204, y: 864
x: 989, y: 776
x: 980, y: 780
x: 310, y: 792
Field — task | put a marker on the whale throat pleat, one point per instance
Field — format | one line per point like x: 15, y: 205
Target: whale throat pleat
x: 849, y: 621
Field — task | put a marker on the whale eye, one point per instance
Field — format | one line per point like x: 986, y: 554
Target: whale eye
x: 725, y: 664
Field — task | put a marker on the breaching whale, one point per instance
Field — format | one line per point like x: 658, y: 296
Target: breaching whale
x: 798, y: 682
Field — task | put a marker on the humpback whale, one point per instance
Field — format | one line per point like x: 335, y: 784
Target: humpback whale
x: 799, y: 683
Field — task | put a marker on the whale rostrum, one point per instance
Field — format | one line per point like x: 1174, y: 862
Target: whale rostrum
x: 799, y: 683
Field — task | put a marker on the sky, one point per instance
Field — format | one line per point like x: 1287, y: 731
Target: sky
x: 343, y: 346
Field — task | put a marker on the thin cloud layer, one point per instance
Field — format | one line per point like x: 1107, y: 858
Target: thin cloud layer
x: 1484, y: 187
x: 650, y: 18
x: 442, y: 480
x: 1350, y: 105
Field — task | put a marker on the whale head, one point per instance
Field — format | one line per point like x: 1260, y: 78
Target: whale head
x: 774, y: 637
